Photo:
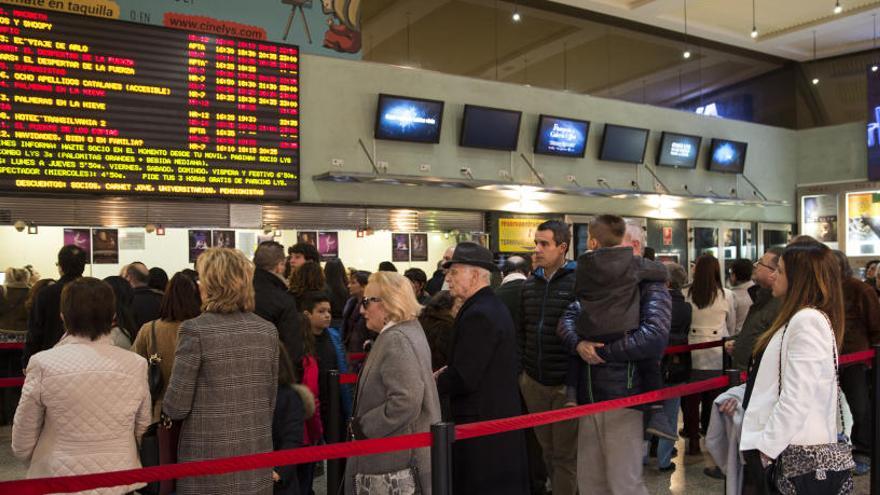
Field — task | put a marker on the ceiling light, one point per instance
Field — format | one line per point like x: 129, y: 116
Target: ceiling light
x: 516, y: 17
x: 32, y: 228
x: 874, y: 68
x: 160, y: 230
x: 754, y: 33
x: 837, y: 8
x: 686, y: 54
x: 815, y: 81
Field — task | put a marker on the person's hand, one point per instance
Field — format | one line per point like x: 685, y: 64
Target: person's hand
x: 275, y: 476
x: 765, y: 460
x: 729, y: 346
x: 439, y: 372
x: 728, y: 407
x: 587, y: 351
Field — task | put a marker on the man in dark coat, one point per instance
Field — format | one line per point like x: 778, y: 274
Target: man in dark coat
x: 515, y: 272
x: 480, y: 379
x: 44, y: 322
x: 146, y: 301
x: 763, y: 310
x: 272, y: 301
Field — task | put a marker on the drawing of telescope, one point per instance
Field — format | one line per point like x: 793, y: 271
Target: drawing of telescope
x: 298, y: 5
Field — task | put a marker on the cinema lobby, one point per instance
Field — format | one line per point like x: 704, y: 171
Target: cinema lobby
x: 287, y: 157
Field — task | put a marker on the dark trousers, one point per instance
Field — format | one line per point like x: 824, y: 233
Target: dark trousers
x: 755, y: 476
x: 697, y: 410
x: 854, y: 383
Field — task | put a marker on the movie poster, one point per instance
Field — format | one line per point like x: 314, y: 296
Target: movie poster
x: 105, y: 246
x: 517, y: 235
x: 223, y: 238
x: 819, y: 217
x: 418, y: 247
x: 399, y: 247
x: 81, y: 238
x: 199, y: 242
x: 307, y: 237
x: 863, y: 223
x: 328, y: 245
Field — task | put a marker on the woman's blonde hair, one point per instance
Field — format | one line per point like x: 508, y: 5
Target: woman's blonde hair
x: 17, y: 276
x: 397, y: 295
x: 228, y: 281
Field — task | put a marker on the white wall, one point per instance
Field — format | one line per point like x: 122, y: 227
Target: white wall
x: 171, y: 251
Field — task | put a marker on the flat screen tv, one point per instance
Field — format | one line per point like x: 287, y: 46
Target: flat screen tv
x: 561, y: 137
x: 401, y: 118
x: 727, y: 156
x: 490, y: 128
x: 623, y: 144
x: 678, y: 150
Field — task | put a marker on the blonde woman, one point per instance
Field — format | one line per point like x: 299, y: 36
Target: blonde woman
x: 225, y: 377
x: 396, y: 392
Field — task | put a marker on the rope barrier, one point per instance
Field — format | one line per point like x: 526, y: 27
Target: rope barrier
x: 66, y: 484
x: 678, y: 349
x: 11, y: 346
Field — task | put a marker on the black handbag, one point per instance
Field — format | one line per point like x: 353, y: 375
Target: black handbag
x: 154, y: 371
x: 824, y: 469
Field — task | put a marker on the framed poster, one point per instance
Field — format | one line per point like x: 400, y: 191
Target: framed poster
x: 199, y: 241
x: 517, y: 235
x: 328, y: 245
x: 223, y: 238
x: 863, y: 223
x: 667, y: 236
x: 819, y: 218
x: 105, y: 246
x: 418, y: 247
x: 307, y: 237
x: 399, y: 247
x: 81, y: 238
x: 667, y: 257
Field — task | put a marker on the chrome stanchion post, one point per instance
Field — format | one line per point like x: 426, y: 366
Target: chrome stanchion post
x: 442, y: 436
x: 334, y: 466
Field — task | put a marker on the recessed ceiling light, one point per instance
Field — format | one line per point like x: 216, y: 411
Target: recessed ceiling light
x: 815, y: 81
x: 686, y: 54
x: 874, y: 68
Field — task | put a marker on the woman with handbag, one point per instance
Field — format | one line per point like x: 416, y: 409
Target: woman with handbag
x: 396, y: 394
x: 792, y: 404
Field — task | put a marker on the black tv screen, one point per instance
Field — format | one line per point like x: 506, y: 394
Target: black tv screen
x: 490, y: 128
x: 561, y: 137
x: 623, y: 144
x: 401, y: 118
x: 727, y: 156
x: 873, y: 130
x: 678, y: 150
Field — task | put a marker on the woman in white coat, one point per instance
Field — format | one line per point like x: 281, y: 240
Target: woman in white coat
x: 800, y: 348
x: 713, y: 317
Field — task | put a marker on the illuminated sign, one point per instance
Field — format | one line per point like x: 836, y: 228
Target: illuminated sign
x: 97, y: 106
x: 563, y: 137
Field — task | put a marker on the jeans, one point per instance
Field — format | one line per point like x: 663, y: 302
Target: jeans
x: 664, y: 445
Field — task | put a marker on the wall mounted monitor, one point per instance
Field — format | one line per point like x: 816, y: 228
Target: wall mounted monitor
x: 623, y: 144
x: 110, y: 107
x: 490, y: 128
x: 561, y: 137
x: 727, y: 156
x: 678, y: 150
x: 402, y: 118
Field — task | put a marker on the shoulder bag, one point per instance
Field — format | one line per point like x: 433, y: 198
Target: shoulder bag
x: 824, y: 469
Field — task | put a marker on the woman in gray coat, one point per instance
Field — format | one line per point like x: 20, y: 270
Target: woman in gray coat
x: 396, y: 393
x: 225, y: 378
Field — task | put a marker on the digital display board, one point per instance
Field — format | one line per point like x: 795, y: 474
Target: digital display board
x: 490, y: 128
x: 561, y: 137
x: 678, y: 150
x: 95, y: 106
x: 727, y: 156
x: 623, y: 144
x: 409, y: 119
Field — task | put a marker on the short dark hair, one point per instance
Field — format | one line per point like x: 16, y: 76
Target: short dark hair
x: 362, y: 277
x: 88, y: 306
x: 871, y: 263
x: 387, y: 266
x: 192, y: 274
x: 309, y: 300
x: 72, y: 260
x: 516, y: 263
x: 608, y: 230
x: 182, y: 300
x: 648, y: 253
x: 561, y: 231
x: 158, y: 279
x: 742, y: 268
x: 124, y: 298
x: 268, y: 255
x: 308, y: 251
x: 416, y: 275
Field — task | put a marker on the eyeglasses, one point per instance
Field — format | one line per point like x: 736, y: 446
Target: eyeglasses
x: 758, y: 263
x: 367, y: 300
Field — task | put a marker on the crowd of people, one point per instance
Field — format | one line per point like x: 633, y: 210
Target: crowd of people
x: 236, y: 357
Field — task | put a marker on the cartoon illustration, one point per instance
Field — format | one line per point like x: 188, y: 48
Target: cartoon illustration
x: 344, y: 35
x: 298, y: 5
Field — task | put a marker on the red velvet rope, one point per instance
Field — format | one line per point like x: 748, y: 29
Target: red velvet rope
x: 678, y: 349
x: 357, y: 356
x: 17, y: 381
x: 345, y: 378
x: 11, y: 345
x: 66, y: 484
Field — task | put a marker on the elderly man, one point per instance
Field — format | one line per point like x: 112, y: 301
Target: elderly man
x: 272, y: 301
x: 438, y: 279
x: 480, y: 380
x: 146, y: 301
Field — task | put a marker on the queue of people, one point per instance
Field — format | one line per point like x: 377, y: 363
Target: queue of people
x: 245, y: 348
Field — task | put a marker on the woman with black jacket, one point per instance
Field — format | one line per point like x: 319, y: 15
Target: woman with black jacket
x: 287, y: 424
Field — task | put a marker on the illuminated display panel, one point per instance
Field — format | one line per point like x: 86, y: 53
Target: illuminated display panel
x: 401, y: 118
x: 561, y: 137
x: 95, y: 106
x: 678, y: 150
x: 727, y: 156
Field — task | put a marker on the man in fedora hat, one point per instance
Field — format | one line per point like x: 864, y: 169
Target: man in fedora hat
x: 480, y: 380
